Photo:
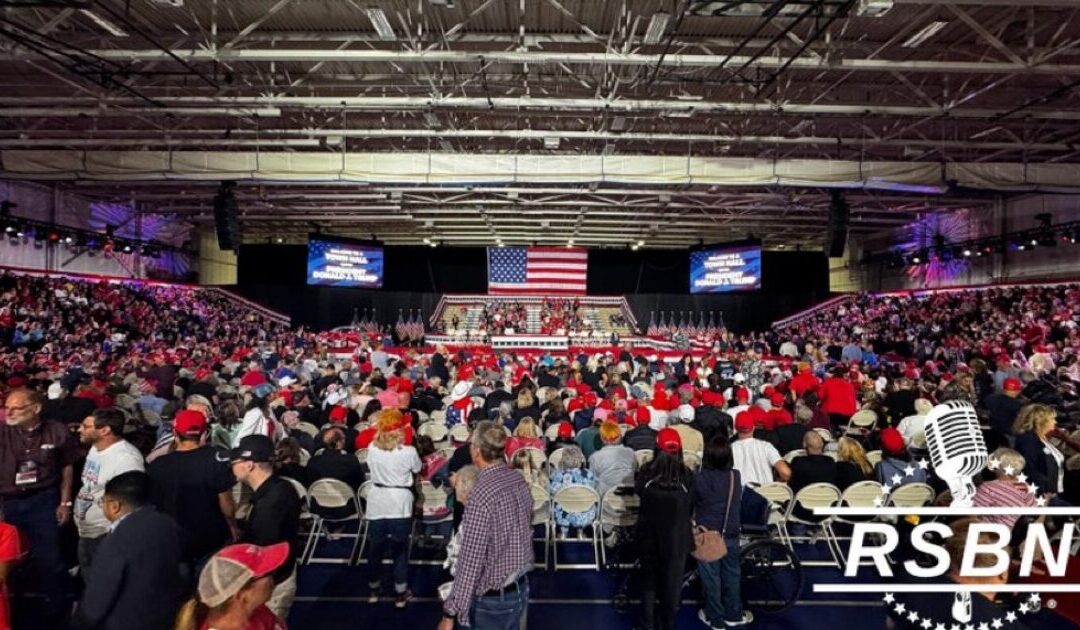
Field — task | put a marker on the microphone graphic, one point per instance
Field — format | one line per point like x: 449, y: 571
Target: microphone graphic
x: 957, y: 451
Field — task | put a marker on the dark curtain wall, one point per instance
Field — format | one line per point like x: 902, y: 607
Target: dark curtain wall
x: 416, y: 277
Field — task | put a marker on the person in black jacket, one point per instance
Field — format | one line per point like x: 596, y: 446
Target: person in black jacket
x: 135, y: 581
x: 814, y: 467
x: 334, y: 463
x: 1044, y: 464
x: 663, y: 531
x: 275, y: 513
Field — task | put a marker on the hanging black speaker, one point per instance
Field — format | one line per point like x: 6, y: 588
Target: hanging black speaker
x: 226, y: 218
x: 839, y: 216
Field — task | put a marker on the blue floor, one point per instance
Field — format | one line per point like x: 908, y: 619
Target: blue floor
x: 335, y: 596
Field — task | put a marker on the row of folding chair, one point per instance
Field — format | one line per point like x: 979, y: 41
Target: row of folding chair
x: 783, y: 503
x: 324, y: 495
x: 618, y: 508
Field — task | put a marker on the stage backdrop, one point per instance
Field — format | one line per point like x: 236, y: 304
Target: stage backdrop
x: 416, y: 277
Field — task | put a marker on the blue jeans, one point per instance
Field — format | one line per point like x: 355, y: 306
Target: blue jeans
x: 500, y: 612
x: 720, y: 585
x: 390, y: 535
x: 35, y: 517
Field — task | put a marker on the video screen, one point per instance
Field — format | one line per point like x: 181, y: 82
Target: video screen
x: 343, y: 263
x: 723, y: 268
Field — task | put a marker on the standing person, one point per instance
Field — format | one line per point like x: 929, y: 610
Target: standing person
x: 36, y: 460
x: 393, y: 466
x: 664, y: 531
x: 135, y: 579
x: 275, y: 513
x: 717, y: 497
x: 234, y: 588
x: 110, y: 455
x: 491, y: 587
x: 837, y: 396
x: 193, y: 484
x: 257, y: 418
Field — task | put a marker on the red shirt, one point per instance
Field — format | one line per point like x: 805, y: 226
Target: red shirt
x: 804, y: 382
x: 252, y: 378
x: 261, y: 619
x: 12, y: 548
x: 838, y: 396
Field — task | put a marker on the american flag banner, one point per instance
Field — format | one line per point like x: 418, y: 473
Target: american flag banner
x: 537, y: 270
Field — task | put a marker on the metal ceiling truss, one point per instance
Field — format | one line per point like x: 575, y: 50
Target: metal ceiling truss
x: 931, y: 80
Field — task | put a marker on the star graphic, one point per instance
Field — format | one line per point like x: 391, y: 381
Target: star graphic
x: 1040, y: 501
x: 1009, y: 470
x: 1032, y: 489
x: 1010, y: 616
x: 878, y: 502
x: 940, y: 626
x: 887, y: 488
x: 923, y: 464
x: 1023, y: 608
x: 984, y: 626
x: 1022, y: 478
x: 926, y: 623
x: 1034, y: 598
x: 955, y: 626
x: 896, y: 479
x: 993, y: 464
x: 900, y: 608
x: 909, y: 470
x: 889, y: 598
x: 996, y: 623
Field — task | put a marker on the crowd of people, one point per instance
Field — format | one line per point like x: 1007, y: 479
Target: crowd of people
x: 152, y: 435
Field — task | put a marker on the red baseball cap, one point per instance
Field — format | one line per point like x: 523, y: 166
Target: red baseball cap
x: 742, y: 394
x: 744, y: 422
x: 230, y: 569
x: 891, y: 440
x: 189, y: 423
x: 338, y: 413
x: 566, y: 430
x: 715, y: 399
x: 668, y: 440
x: 1012, y: 385
x: 777, y: 399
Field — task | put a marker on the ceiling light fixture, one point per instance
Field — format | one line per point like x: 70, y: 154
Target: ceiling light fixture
x: 381, y: 24
x: 105, y: 25
x: 657, y: 25
x: 924, y: 34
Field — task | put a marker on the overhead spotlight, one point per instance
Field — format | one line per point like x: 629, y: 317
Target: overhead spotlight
x: 570, y: 243
x: 127, y: 248
x: 69, y: 240
x: 1034, y: 242
x: 641, y: 243
x: 279, y: 240
x: 967, y: 252
x: 916, y: 259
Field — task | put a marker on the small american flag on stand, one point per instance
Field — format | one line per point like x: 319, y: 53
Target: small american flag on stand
x: 537, y: 270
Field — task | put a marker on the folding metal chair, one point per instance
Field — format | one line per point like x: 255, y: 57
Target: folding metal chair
x: 619, y: 509
x: 330, y: 494
x: 576, y: 499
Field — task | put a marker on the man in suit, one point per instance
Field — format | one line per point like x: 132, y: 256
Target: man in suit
x: 135, y: 580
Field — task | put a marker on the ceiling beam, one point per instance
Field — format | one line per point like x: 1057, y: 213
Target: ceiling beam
x: 266, y: 55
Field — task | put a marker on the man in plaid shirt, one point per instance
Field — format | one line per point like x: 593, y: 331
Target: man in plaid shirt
x: 491, y: 588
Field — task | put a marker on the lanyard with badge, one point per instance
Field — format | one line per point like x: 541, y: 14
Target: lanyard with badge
x: 27, y: 469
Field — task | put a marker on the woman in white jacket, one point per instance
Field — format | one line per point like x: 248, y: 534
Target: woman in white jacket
x: 257, y: 418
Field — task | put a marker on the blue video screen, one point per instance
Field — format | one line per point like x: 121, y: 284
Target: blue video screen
x: 338, y: 263
x: 723, y: 268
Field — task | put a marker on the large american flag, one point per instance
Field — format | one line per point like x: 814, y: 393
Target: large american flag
x: 537, y: 270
